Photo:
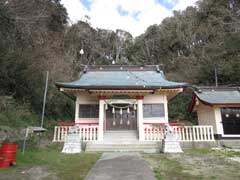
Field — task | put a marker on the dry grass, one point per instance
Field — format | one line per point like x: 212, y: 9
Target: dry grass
x: 195, y: 164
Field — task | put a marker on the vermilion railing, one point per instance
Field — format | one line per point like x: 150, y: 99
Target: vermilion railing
x: 152, y: 131
x: 163, y: 124
x: 74, y: 124
x: 86, y: 133
x: 183, y: 133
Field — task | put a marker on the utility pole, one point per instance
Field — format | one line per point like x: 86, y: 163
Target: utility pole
x: 216, y: 76
x: 44, y: 99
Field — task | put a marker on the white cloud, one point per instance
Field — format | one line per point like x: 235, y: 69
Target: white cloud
x: 76, y: 10
x: 140, y: 13
x: 183, y: 4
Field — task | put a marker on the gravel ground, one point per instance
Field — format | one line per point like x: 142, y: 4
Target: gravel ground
x: 28, y: 173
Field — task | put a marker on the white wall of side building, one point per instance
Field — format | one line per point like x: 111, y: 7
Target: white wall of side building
x: 208, y: 115
x: 218, y: 120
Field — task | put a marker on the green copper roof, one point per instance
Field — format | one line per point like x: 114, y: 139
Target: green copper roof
x: 219, y: 95
x: 124, y: 77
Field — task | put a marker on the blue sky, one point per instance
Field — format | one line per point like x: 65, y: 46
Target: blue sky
x: 86, y: 3
x: 167, y: 4
x: 133, y: 16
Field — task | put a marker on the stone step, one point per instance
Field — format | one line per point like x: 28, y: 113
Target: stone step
x: 116, y: 135
x: 120, y: 134
x: 121, y: 137
x: 152, y: 150
x: 134, y: 146
x: 121, y: 131
x: 112, y: 137
x: 123, y: 145
x: 123, y: 140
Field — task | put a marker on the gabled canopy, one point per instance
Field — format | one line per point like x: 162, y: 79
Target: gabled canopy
x: 121, y: 77
x: 216, y: 96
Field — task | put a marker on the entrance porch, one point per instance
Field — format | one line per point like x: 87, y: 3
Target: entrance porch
x: 120, y: 114
x: 106, y: 119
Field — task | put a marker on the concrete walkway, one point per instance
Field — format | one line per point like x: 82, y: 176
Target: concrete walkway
x: 121, y: 166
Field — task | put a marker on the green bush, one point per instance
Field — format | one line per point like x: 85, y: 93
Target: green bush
x: 14, y: 114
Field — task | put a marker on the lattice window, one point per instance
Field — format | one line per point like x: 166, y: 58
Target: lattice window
x: 88, y: 111
x: 153, y: 110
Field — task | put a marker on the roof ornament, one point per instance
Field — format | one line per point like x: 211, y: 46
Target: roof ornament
x: 81, y: 52
x: 163, y: 75
x: 158, y: 69
x: 199, y: 90
x: 85, y: 69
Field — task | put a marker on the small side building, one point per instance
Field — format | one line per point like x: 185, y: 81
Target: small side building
x: 219, y: 107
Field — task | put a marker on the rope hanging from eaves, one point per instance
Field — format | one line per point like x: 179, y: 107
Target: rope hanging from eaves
x: 120, y: 110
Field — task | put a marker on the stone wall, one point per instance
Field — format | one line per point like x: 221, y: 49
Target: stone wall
x: 12, y: 134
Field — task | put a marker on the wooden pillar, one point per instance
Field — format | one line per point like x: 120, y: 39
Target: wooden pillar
x: 218, y: 121
x: 166, y: 109
x: 140, y: 117
x: 76, y: 110
x: 101, y: 118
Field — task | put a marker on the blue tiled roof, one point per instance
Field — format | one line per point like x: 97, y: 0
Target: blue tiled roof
x: 133, y: 78
x: 219, y: 95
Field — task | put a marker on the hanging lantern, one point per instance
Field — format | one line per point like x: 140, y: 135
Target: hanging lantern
x: 106, y: 107
x: 114, y: 123
x: 81, y: 52
x: 134, y: 106
x: 120, y: 112
x: 121, y: 121
x: 128, y: 122
x: 128, y: 110
x: 113, y: 110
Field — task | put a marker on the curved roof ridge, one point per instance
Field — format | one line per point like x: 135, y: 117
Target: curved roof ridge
x: 139, y: 77
x: 123, y: 68
x: 218, y: 96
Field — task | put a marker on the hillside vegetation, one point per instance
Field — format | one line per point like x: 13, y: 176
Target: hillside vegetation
x: 36, y: 37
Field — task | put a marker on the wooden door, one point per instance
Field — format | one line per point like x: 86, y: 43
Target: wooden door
x: 231, y: 120
x: 124, y: 121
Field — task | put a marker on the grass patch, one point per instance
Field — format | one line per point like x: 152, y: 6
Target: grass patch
x: 166, y: 168
x: 201, y: 151
x: 196, y: 164
x: 226, y: 153
x: 65, y: 166
x: 222, y: 153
